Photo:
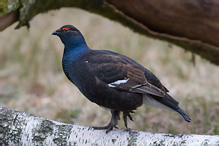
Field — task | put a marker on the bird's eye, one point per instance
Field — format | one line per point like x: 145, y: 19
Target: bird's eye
x: 65, y: 28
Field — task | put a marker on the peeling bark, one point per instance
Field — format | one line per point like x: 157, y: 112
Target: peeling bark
x: 19, y: 128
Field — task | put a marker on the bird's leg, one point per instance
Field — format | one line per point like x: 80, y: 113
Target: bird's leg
x: 125, y: 119
x: 125, y: 115
x: 113, y: 121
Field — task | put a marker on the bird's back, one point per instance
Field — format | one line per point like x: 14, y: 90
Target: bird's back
x: 151, y: 78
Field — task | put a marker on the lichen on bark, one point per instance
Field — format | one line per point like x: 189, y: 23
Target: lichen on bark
x: 19, y: 128
x: 11, y: 124
x: 133, y: 138
x: 7, y: 6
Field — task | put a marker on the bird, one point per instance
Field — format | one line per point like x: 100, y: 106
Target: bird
x: 112, y: 80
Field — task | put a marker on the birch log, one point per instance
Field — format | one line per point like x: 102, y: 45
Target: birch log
x: 19, y: 128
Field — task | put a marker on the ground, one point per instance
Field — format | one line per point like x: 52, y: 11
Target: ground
x: 32, y: 80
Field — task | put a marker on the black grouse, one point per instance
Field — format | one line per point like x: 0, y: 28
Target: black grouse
x: 112, y: 80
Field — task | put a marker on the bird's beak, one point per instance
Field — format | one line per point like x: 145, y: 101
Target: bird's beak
x: 55, y: 33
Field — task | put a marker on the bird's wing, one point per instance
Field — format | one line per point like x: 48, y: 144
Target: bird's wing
x: 123, y: 74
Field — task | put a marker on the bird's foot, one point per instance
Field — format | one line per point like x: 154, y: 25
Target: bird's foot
x: 108, y: 127
x: 113, y: 122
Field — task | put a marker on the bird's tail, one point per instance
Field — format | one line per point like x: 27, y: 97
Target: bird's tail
x: 181, y: 112
x: 166, y: 103
x: 172, y: 103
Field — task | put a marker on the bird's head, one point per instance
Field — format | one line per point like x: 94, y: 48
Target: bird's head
x: 69, y: 35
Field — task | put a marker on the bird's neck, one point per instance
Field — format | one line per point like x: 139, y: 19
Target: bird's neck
x: 75, y: 51
x: 72, y: 54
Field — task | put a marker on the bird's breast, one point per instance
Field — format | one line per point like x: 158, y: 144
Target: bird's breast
x: 66, y: 66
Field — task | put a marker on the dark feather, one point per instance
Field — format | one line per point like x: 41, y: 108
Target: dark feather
x: 110, y: 68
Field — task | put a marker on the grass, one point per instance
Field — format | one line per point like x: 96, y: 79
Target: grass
x: 32, y: 80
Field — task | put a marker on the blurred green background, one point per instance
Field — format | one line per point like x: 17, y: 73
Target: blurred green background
x: 32, y: 80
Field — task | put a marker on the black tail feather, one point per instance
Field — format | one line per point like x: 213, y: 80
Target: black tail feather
x: 173, y: 104
x: 181, y: 112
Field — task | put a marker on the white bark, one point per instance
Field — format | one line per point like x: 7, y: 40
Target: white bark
x: 19, y: 128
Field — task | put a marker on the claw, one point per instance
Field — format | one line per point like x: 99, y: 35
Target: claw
x: 109, y: 129
x: 130, y: 117
x: 116, y: 127
x: 125, y: 119
x: 125, y: 115
x: 132, y: 112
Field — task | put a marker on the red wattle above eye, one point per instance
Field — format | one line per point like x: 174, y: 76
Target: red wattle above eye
x: 65, y: 28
